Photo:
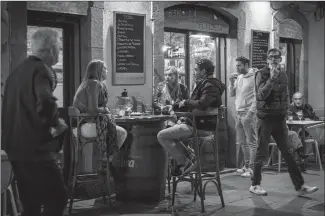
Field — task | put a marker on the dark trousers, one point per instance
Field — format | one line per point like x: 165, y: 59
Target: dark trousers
x: 275, y: 126
x: 40, y: 184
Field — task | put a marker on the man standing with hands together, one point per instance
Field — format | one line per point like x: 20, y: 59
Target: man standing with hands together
x: 272, y: 105
x: 242, y: 86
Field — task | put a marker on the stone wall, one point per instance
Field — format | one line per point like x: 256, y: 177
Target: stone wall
x: 91, y: 37
x: 144, y: 91
x: 315, y: 65
x: 68, y: 7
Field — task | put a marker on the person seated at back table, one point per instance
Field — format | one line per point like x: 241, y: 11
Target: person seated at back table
x: 207, y: 94
x: 170, y: 90
x: 296, y: 148
x: 298, y: 104
x: 91, y: 97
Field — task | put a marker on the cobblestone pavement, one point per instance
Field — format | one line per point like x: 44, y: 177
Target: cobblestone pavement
x: 281, y: 200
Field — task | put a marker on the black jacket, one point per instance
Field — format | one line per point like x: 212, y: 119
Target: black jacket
x: 271, y: 94
x: 207, y: 94
x: 29, y: 110
x: 307, y: 111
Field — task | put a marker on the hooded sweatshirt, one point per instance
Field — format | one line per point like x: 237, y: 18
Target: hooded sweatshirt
x: 244, y: 91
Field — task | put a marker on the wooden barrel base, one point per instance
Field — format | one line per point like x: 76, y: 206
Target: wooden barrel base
x: 150, y: 193
x: 140, y: 168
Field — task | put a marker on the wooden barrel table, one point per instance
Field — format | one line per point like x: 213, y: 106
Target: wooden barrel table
x: 140, y: 167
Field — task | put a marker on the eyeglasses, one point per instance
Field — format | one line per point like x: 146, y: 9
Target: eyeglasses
x: 273, y: 57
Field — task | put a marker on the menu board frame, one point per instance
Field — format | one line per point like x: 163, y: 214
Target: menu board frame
x: 252, y: 43
x: 121, y: 79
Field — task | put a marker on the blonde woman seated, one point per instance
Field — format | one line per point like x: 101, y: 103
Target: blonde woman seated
x: 170, y: 91
x: 91, y: 97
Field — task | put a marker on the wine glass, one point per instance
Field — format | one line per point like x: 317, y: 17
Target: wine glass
x: 129, y: 106
x: 299, y: 113
x: 161, y: 106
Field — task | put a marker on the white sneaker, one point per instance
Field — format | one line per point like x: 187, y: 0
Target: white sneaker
x: 241, y: 170
x: 257, y: 189
x: 248, y: 173
x: 306, y: 190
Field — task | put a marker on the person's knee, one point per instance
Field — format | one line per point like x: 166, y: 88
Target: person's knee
x: 162, y: 135
x: 122, y: 133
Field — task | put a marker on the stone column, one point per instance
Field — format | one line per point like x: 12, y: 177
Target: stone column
x: 91, y: 37
x: 158, y: 42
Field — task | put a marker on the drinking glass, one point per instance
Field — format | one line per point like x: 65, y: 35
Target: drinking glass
x: 161, y: 108
x: 129, y: 106
x: 148, y: 109
x: 299, y: 115
x: 290, y: 117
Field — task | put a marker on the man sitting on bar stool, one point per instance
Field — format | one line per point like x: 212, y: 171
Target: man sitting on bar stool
x: 207, y: 94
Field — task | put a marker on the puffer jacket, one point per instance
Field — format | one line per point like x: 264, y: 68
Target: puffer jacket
x: 271, y: 94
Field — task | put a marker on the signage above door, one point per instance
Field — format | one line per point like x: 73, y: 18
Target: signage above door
x: 195, y: 19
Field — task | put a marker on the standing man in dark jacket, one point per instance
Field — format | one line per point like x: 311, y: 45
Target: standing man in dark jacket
x: 272, y: 106
x: 30, y: 124
x: 207, y: 94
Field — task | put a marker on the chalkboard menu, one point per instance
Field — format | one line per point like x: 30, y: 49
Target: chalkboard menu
x: 259, y: 48
x: 129, y: 48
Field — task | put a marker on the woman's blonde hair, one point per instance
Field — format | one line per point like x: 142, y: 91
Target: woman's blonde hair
x: 173, y: 69
x: 94, y: 70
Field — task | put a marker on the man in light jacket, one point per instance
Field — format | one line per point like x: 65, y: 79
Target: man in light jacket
x: 242, y: 86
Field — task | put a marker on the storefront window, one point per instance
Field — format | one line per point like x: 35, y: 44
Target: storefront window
x: 201, y: 46
x: 174, y: 53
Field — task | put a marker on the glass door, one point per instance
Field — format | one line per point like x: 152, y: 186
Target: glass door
x: 201, y: 46
x: 175, y: 53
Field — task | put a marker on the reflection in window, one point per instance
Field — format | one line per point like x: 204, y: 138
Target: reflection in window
x: 174, y: 53
x: 58, y: 92
x: 201, y: 46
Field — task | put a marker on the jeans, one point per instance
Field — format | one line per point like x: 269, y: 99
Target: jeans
x: 246, y: 137
x: 40, y: 183
x: 275, y: 126
x: 171, y: 140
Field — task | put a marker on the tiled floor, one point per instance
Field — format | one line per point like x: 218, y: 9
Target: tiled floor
x: 281, y: 200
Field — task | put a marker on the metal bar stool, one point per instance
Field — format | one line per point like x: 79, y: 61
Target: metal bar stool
x: 7, y: 185
x: 78, y: 142
x: 198, y: 142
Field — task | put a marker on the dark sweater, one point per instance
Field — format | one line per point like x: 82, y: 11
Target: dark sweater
x: 29, y: 110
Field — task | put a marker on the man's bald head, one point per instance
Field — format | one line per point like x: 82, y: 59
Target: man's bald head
x: 298, y: 99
